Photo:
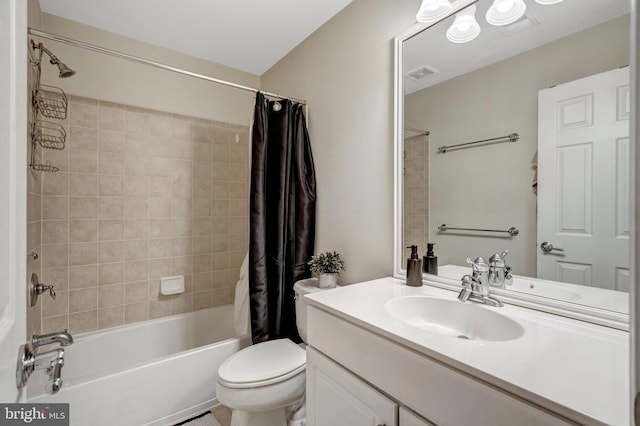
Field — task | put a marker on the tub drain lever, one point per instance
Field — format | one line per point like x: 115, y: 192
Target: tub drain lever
x: 52, y: 362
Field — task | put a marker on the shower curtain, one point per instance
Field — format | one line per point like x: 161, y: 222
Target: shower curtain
x: 282, y: 216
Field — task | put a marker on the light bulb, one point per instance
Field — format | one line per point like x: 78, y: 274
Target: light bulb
x: 504, y: 12
x: 433, y: 10
x: 465, y: 27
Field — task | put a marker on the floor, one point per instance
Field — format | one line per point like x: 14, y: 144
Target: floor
x: 222, y: 414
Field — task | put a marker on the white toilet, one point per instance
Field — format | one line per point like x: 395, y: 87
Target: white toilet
x: 264, y: 384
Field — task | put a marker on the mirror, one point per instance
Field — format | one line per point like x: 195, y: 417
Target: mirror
x: 561, y: 178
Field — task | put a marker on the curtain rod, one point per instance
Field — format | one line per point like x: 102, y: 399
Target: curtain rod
x: 132, y: 58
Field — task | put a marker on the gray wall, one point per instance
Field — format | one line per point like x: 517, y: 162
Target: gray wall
x: 345, y: 71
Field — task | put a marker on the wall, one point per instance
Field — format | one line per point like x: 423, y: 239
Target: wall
x: 491, y: 186
x: 416, y: 193
x: 34, y: 196
x: 153, y: 182
x: 345, y: 71
x: 141, y: 194
x: 111, y: 79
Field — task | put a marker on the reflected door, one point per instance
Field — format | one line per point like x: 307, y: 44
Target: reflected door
x: 583, y: 184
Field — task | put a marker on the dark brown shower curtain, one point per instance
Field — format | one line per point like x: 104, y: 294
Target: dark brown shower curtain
x: 282, y: 221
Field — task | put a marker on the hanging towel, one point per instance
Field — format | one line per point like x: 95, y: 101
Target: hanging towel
x: 241, y: 305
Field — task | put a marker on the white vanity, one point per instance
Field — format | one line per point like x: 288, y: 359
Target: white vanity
x: 382, y: 353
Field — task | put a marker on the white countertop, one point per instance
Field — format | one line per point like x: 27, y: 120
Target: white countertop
x: 573, y: 368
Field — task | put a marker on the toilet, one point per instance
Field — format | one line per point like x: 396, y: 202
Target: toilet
x: 264, y: 384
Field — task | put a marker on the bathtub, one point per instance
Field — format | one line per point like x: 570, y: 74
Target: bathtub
x: 151, y: 373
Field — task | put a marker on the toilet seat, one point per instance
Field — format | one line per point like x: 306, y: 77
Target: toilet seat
x: 262, y: 364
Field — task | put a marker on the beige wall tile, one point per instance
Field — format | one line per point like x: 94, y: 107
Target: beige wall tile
x: 111, y: 273
x: 83, y: 184
x: 181, y: 303
x: 111, y: 251
x: 136, y: 292
x: 81, y: 300
x: 136, y: 312
x: 55, y: 231
x: 83, y: 322
x: 111, y: 229
x: 147, y: 194
x: 83, y: 253
x: 110, y: 317
x: 83, y: 138
x: 55, y: 207
x: 159, y: 308
x: 83, y: 161
x: 111, y: 207
x: 83, y: 207
x: 136, y: 249
x: 83, y: 276
x: 111, y: 295
x: 137, y: 270
x: 83, y: 230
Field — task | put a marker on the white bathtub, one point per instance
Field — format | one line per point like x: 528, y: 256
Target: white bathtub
x: 156, y: 372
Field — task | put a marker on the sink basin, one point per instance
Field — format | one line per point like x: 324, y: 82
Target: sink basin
x: 453, y: 318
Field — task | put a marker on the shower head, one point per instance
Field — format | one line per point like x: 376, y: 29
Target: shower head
x: 65, y: 71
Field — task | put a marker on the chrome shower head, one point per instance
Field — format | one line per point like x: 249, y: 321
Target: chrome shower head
x: 65, y: 71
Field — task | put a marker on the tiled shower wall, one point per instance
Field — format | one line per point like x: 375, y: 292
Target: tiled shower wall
x: 416, y: 193
x: 141, y: 194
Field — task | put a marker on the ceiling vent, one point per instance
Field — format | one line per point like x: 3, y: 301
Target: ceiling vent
x: 421, y: 73
x: 520, y: 25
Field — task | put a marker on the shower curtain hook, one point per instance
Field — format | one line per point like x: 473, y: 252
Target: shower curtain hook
x: 277, y: 106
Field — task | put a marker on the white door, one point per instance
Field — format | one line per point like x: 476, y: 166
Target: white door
x: 13, y: 160
x: 337, y: 397
x: 583, y: 181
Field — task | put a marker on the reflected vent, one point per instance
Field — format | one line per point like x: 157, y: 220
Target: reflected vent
x: 421, y: 73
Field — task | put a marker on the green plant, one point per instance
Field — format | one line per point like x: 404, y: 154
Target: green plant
x: 326, y: 263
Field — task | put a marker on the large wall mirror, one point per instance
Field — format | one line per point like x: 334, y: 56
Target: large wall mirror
x: 518, y: 140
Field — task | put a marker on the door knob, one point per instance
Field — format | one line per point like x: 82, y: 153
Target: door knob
x: 547, y: 247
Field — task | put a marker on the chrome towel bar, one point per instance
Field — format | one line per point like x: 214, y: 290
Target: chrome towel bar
x: 513, y: 231
x: 512, y: 137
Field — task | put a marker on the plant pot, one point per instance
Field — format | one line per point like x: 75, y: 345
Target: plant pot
x: 327, y: 280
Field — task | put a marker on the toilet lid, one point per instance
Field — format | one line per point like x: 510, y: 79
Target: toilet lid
x: 262, y: 364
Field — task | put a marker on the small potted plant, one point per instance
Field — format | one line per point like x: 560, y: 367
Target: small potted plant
x: 327, y: 266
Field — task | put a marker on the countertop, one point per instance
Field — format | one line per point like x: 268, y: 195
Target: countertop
x: 574, y: 368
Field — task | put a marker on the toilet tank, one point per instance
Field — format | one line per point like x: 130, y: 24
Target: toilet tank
x: 302, y: 287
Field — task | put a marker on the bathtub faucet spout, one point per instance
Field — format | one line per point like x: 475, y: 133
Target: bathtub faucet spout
x: 62, y: 337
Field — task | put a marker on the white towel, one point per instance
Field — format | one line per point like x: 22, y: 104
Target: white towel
x: 241, y: 315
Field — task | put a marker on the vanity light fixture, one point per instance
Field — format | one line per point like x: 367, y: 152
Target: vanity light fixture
x: 548, y: 1
x: 433, y: 10
x: 503, y: 12
x: 465, y: 27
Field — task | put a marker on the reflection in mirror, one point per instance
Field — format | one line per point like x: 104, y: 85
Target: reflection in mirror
x: 558, y: 77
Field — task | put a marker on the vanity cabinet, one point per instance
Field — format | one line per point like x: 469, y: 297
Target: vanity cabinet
x: 341, y: 398
x: 356, y: 376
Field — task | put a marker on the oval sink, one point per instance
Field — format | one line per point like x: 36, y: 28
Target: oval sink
x: 453, y: 318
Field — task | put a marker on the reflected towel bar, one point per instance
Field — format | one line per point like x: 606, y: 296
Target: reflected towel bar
x: 512, y: 137
x: 513, y: 231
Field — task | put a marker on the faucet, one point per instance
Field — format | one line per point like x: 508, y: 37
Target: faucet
x: 499, y: 272
x: 52, y: 362
x: 475, y: 287
x: 62, y: 337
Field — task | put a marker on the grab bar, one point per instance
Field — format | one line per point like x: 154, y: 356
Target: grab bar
x: 512, y: 137
x: 513, y: 231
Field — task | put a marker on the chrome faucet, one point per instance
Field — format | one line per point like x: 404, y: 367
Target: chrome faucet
x: 62, y: 337
x: 52, y: 362
x: 499, y: 272
x: 475, y: 287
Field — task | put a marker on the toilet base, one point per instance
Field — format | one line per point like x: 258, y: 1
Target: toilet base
x: 293, y: 415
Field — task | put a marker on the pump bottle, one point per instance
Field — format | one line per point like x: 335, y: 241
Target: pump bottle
x: 414, y: 271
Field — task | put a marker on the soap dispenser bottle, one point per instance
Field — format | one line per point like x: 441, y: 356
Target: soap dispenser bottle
x: 430, y: 261
x: 414, y: 268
